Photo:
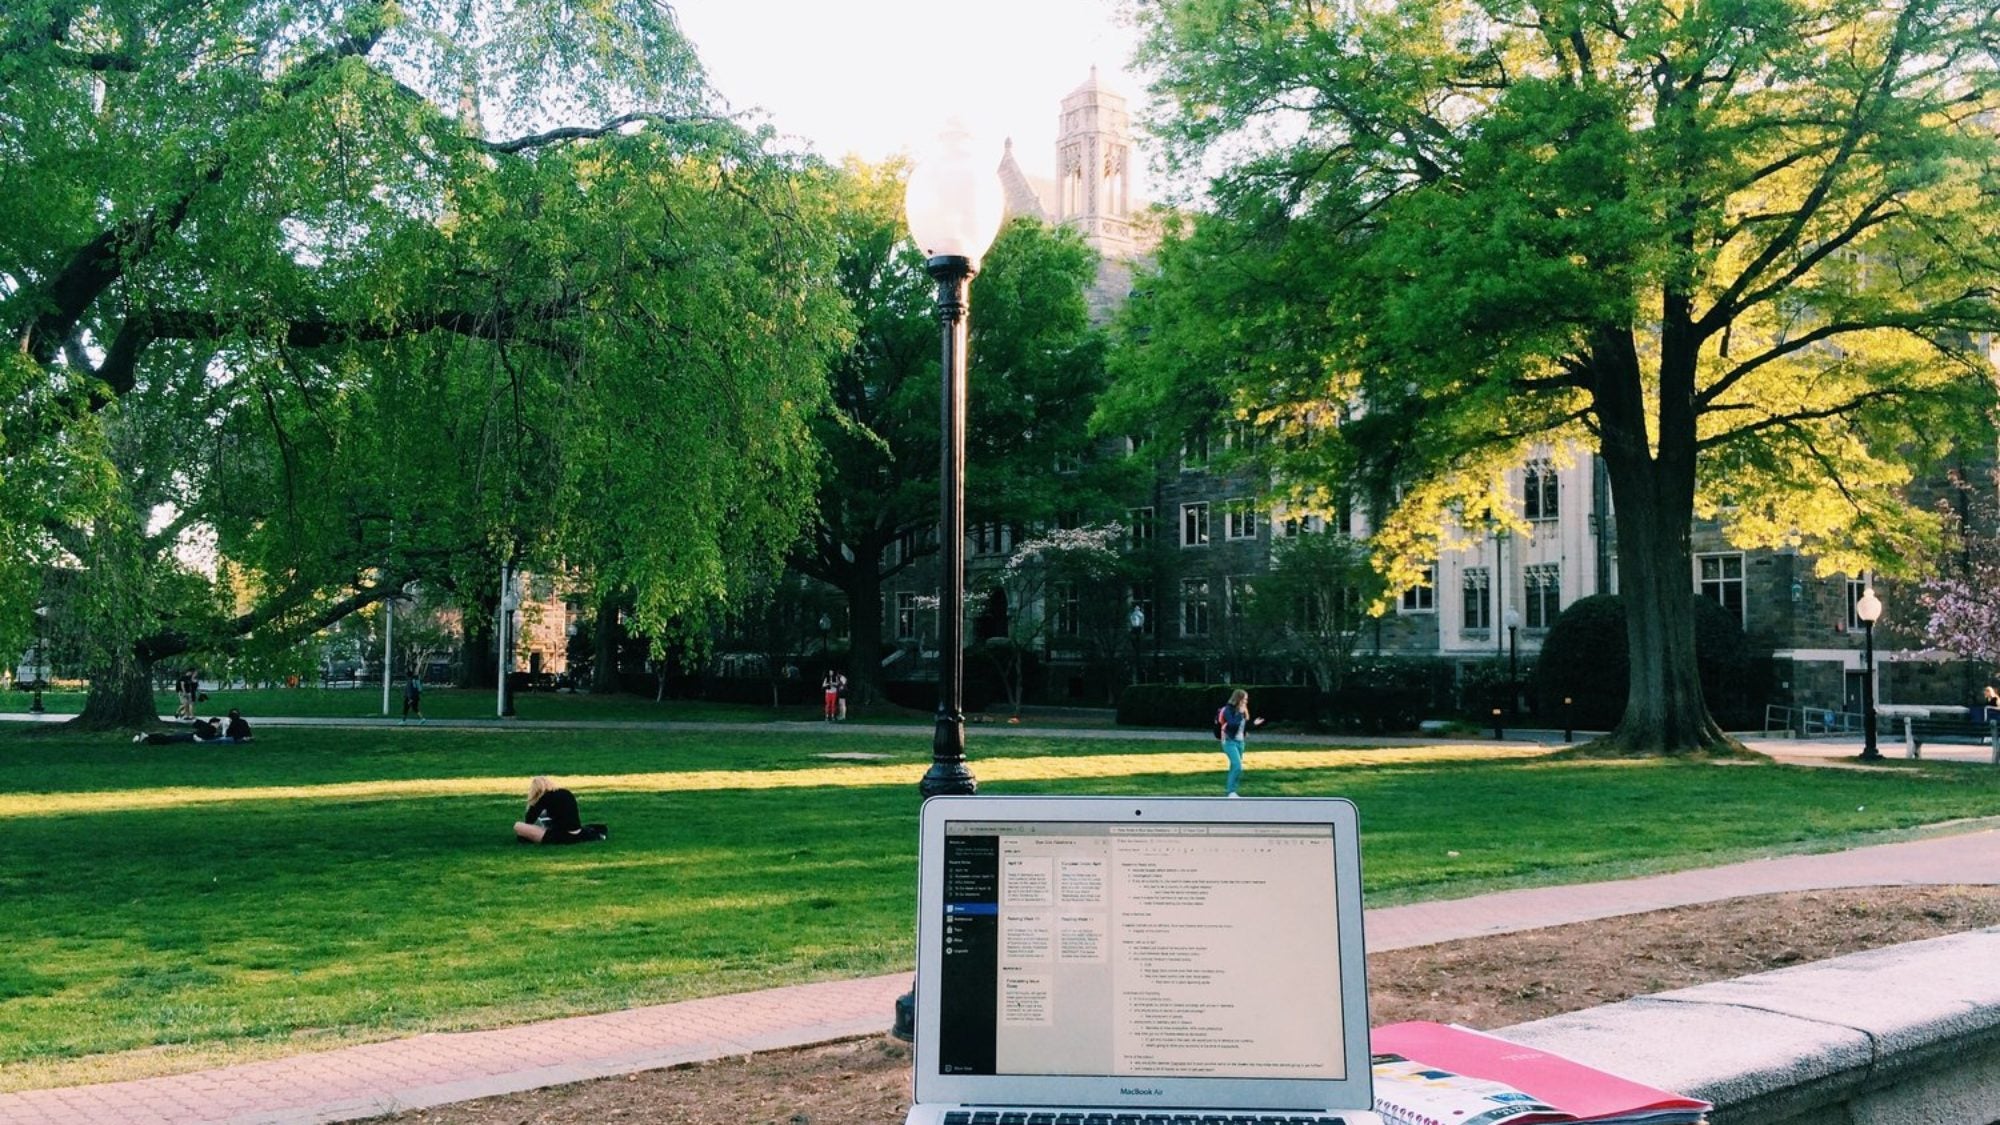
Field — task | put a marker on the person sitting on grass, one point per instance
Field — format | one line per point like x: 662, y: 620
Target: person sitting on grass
x: 552, y: 817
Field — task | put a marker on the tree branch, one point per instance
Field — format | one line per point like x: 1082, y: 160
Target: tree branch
x: 584, y: 133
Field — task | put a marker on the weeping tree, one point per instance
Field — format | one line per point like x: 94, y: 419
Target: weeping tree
x: 1741, y: 252
x: 308, y: 302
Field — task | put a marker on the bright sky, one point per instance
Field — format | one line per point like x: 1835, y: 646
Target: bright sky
x: 877, y: 77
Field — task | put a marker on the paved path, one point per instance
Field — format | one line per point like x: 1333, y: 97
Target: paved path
x: 428, y: 1070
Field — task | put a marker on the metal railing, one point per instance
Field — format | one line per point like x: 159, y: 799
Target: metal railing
x: 1810, y: 722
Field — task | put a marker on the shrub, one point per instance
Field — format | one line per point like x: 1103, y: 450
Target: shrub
x: 1192, y: 706
x: 1584, y: 659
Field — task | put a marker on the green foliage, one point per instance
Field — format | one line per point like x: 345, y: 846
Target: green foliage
x: 1035, y: 364
x: 1743, y: 253
x: 285, y: 276
x: 1584, y: 659
x: 1314, y: 601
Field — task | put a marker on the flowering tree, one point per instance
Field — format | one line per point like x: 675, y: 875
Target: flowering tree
x: 1086, y: 557
x: 1964, y: 602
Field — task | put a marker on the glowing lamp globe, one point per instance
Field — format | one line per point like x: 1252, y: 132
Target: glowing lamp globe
x: 954, y: 201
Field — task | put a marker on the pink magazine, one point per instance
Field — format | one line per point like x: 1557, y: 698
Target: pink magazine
x: 1580, y: 1092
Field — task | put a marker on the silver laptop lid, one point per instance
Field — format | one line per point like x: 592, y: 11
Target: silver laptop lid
x: 1096, y: 951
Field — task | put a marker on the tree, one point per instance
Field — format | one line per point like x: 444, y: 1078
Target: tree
x: 1738, y: 250
x: 1962, y: 600
x: 1036, y: 364
x: 277, y: 284
x: 1316, y: 599
x: 1046, y: 583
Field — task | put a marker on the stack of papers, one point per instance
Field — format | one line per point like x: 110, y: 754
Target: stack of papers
x: 1438, y: 1074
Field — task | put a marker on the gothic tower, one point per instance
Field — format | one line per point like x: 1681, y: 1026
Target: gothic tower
x: 1094, y: 169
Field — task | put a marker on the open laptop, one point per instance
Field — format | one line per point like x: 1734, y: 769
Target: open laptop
x: 1140, y: 961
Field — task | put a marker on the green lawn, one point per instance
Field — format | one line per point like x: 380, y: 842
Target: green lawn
x: 327, y: 885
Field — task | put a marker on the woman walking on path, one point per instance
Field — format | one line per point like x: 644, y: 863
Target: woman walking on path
x: 1231, y: 723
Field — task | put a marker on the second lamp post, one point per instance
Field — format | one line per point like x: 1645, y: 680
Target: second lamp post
x: 954, y: 204
x: 1868, y: 608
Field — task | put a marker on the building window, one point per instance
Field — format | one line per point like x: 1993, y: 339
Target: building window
x: 1069, y: 462
x: 1143, y: 602
x: 1194, y: 607
x: 1242, y: 520
x: 1855, y: 588
x: 1242, y: 434
x: 1720, y: 578
x: 1194, y: 454
x: 1065, y: 609
x: 1474, y: 587
x: 1544, y: 594
x: 906, y: 615
x: 1194, y: 525
x: 1238, y: 591
x: 1540, y: 491
x: 1422, y: 598
x: 1307, y: 525
x: 1138, y: 527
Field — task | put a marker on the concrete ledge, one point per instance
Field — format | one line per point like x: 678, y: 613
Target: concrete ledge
x: 1907, y: 1035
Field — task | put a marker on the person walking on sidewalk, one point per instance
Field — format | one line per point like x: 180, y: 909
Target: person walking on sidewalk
x: 413, y: 699
x: 1231, y: 723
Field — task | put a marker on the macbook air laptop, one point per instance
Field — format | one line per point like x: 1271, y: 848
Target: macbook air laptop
x: 1141, y: 961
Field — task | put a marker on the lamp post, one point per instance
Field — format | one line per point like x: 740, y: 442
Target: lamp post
x: 1513, y: 665
x: 1137, y: 619
x: 510, y: 600
x: 41, y: 658
x: 954, y: 204
x: 1868, y: 608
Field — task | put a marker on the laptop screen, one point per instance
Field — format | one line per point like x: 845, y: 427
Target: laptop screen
x: 1119, y: 949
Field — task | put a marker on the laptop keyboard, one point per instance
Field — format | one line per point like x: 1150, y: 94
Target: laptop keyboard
x: 1081, y: 1117
x: 1087, y: 1117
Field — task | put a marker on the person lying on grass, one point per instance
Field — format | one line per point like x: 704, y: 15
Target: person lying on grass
x: 205, y: 730
x: 552, y: 817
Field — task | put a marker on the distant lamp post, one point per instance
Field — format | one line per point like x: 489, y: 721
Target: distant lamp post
x: 954, y: 204
x: 510, y: 600
x: 41, y: 658
x: 1868, y: 608
x: 1137, y: 619
x: 1514, y: 664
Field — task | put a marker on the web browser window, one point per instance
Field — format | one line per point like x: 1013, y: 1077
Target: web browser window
x: 1125, y: 949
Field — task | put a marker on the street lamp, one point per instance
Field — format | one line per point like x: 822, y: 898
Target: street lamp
x: 954, y: 203
x: 510, y: 600
x: 41, y: 658
x: 1868, y: 608
x: 1514, y: 663
x: 1137, y: 620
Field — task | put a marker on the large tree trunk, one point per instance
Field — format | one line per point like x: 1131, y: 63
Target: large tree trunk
x: 604, y: 667
x: 1652, y: 492
x: 864, y: 630
x: 121, y: 696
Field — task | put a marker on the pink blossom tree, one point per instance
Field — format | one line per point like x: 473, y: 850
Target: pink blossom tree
x: 1963, y: 602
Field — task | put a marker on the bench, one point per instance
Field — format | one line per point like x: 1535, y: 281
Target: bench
x: 1918, y: 730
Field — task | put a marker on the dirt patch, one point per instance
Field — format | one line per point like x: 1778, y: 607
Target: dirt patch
x: 1485, y: 982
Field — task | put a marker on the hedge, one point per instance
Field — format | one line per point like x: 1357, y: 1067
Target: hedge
x: 1584, y: 659
x: 1193, y: 706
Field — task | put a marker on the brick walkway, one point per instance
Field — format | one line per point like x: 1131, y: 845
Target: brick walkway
x: 428, y: 1070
